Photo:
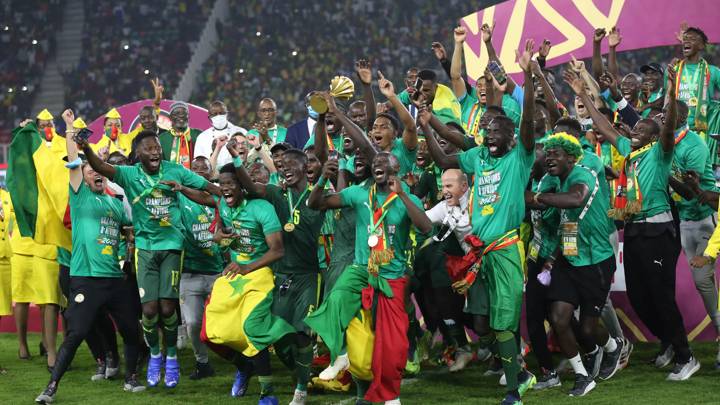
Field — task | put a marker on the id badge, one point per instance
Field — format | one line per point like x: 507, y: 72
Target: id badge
x: 534, y: 250
x: 569, y: 238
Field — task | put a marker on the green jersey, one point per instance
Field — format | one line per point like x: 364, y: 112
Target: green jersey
x: 649, y: 166
x: 301, y: 244
x: 277, y: 134
x: 499, y: 191
x: 545, y: 223
x: 692, y: 153
x: 585, y: 230
x: 253, y: 220
x: 274, y: 179
x: 97, y: 221
x: 472, y: 111
x: 690, y: 90
x: 64, y: 257
x: 202, y: 255
x: 155, y: 209
x: 395, y: 226
x: 405, y: 156
x: 337, y: 142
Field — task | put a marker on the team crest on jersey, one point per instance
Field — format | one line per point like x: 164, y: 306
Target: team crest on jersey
x: 157, y: 193
x: 202, y: 218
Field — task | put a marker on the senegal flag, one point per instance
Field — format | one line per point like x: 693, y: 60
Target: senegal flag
x: 238, y: 313
x: 445, y: 105
x: 38, y: 184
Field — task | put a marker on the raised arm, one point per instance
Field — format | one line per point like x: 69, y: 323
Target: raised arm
x: 667, y: 132
x: 438, y: 155
x: 614, y: 39
x: 360, y: 140
x: 597, y: 65
x: 409, y: 136
x: 95, y: 162
x: 441, y: 55
x: 416, y: 214
x: 604, y: 126
x: 76, y: 176
x: 318, y: 199
x: 527, y: 122
x: 551, y: 102
x: 444, y: 132
x: 364, y: 73
x: 320, y: 134
x: 458, y: 84
x: 246, y: 182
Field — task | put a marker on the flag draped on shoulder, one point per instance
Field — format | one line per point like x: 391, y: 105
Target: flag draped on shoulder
x: 38, y: 184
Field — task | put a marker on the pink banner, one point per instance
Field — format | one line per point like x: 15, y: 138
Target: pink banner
x: 129, y: 114
x: 569, y: 25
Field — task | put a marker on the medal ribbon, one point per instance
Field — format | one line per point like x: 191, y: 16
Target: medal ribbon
x: 153, y: 185
x: 181, y: 148
x: 621, y: 200
x: 378, y: 215
x: 292, y: 207
x: 474, y: 119
x: 681, y: 135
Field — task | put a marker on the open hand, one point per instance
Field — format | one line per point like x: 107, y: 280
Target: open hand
x: 233, y: 269
x: 574, y: 81
x: 614, y: 38
x: 461, y: 287
x: 524, y: 58
x: 439, y: 50
x: 174, y: 186
x: 683, y: 27
x: 364, y: 71
x: 544, y: 48
x: 700, y: 261
x: 157, y: 89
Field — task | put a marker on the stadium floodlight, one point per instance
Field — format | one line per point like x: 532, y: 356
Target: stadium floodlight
x: 146, y: 71
x: 126, y: 47
x: 257, y: 34
x: 10, y: 90
x: 24, y: 88
x: 34, y: 41
x: 294, y: 53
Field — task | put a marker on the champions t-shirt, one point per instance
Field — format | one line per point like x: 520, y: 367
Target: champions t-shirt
x: 97, y: 221
x: 253, y: 220
x: 202, y: 254
x: 651, y: 169
x: 692, y: 153
x: 155, y: 209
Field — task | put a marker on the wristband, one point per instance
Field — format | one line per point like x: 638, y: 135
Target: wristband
x: 237, y: 161
x: 74, y: 164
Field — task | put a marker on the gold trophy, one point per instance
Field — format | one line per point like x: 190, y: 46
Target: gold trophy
x: 341, y: 87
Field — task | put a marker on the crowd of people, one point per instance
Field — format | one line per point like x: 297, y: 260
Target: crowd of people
x: 27, y: 40
x: 310, y: 239
x: 295, y: 60
x: 123, y: 45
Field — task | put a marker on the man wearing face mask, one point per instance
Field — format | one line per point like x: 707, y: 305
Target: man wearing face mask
x: 299, y: 132
x: 177, y: 142
x: 220, y: 128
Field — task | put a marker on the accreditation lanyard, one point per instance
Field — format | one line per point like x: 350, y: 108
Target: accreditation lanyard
x: 292, y: 207
x: 377, y: 216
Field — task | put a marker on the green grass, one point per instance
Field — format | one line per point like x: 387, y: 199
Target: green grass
x: 639, y: 384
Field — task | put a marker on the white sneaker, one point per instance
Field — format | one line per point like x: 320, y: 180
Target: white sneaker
x: 299, y: 397
x: 503, y: 380
x: 627, y: 351
x: 462, y: 359
x: 664, y: 358
x: 395, y: 401
x: 341, y: 363
x: 682, y: 372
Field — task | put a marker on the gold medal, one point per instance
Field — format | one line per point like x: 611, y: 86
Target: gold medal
x: 373, y: 240
x: 693, y: 102
x: 289, y: 227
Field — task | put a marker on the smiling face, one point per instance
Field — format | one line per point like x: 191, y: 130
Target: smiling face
x: 348, y: 145
x: 148, y: 119
x: 410, y: 77
x: 293, y: 169
x: 629, y: 87
x: 580, y: 109
x: 422, y: 158
x: 498, y: 139
x: 201, y: 167
x: 93, y: 179
x: 692, y: 44
x: 42, y: 124
x: 480, y: 84
x: 149, y: 152
x: 277, y: 158
x: 558, y: 162
x: 454, y: 185
x: 230, y: 189
x: 652, y: 80
x: 643, y: 133
x: 383, y: 166
x: 109, y: 122
x: 179, y: 118
x: 383, y: 133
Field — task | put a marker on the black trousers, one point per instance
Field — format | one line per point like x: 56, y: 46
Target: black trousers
x: 88, y: 297
x: 101, y: 338
x: 650, y: 253
x: 537, y: 310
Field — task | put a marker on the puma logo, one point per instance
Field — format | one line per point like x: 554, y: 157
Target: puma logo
x: 506, y: 359
x: 658, y: 262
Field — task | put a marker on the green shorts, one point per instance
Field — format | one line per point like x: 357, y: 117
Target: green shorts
x: 158, y: 274
x: 497, y: 292
x: 294, y: 297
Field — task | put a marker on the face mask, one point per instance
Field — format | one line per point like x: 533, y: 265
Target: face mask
x: 314, y: 115
x: 219, y: 121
